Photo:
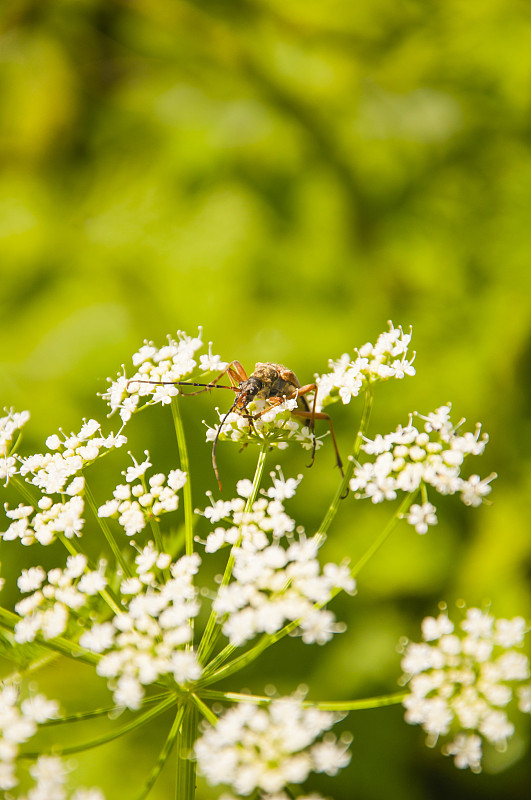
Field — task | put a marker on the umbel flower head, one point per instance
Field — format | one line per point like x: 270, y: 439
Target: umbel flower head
x: 387, y: 358
x: 462, y: 681
x: 175, y: 361
x: 139, y: 500
x: 277, y: 577
x: 147, y: 639
x: 276, y: 425
x: 266, y: 748
x: 414, y: 457
x: 58, y: 471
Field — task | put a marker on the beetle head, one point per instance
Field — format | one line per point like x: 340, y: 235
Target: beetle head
x: 247, y: 391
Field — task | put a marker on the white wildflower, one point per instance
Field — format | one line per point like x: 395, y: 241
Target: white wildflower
x: 254, y: 748
x: 430, y: 456
x: 386, y: 359
x: 18, y: 723
x: 463, y: 680
x: 421, y: 517
x: 147, y: 640
x: 273, y: 584
x: 134, y: 514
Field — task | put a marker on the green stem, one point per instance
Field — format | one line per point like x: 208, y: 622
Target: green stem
x: 349, y: 469
x: 205, y: 710
x: 360, y: 705
x: 107, y: 533
x: 157, y: 536
x: 187, y: 488
x: 163, y: 756
x: 324, y: 705
x: 220, y: 659
x: 22, y: 487
x: 185, y: 784
x: 81, y: 716
x: 208, y: 638
x: 404, y: 505
x: 137, y: 722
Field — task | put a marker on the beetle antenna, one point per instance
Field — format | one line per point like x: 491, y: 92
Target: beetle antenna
x: 183, y: 383
x: 214, y: 464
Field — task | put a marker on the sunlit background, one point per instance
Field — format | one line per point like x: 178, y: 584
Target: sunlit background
x: 289, y: 175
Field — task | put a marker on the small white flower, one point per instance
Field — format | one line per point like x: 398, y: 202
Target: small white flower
x: 53, y: 442
x: 31, y: 579
x: 39, y: 708
x: 467, y: 751
x: 422, y: 516
x: 244, y: 488
x: 99, y: 638
x: 510, y: 632
x: 475, y: 489
x: 435, y: 628
x: 185, y: 666
x: 132, y: 473
x: 92, y: 583
x: 176, y: 479
x: 283, y: 489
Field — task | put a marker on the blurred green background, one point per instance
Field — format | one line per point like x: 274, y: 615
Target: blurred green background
x: 290, y: 175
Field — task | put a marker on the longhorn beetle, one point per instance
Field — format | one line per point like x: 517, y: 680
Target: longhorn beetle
x: 270, y: 382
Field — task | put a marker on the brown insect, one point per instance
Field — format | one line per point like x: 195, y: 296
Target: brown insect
x: 273, y: 383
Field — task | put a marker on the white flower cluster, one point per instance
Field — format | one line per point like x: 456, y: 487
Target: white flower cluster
x: 50, y: 520
x: 254, y: 748
x: 50, y: 775
x: 386, y: 359
x: 134, y: 504
x: 148, y: 638
x: 265, y: 518
x: 461, y: 680
x: 276, y: 425
x: 273, y: 584
x: 9, y: 425
x: 173, y: 362
x: 18, y: 723
x: 52, y: 472
x: 52, y: 597
x: 433, y: 456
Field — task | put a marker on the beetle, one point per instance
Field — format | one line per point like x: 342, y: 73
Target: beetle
x: 270, y: 382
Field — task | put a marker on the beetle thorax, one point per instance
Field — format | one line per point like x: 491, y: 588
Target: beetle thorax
x: 277, y: 380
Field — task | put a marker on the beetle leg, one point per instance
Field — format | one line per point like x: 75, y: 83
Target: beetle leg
x: 312, y: 416
x: 236, y: 375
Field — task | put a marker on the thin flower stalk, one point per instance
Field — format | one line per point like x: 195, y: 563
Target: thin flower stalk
x: 349, y: 468
x: 208, y: 640
x: 138, y: 722
x: 324, y: 705
x: 116, y: 551
x: 186, y: 763
x: 185, y: 466
x: 164, y: 754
